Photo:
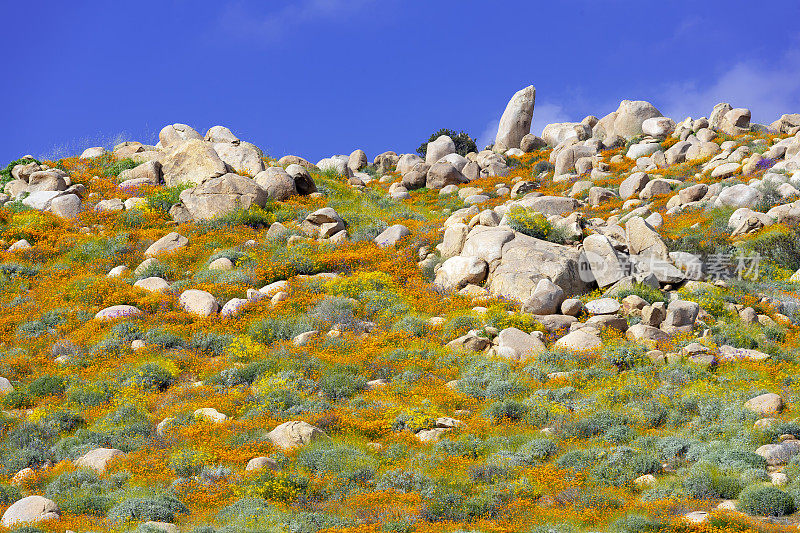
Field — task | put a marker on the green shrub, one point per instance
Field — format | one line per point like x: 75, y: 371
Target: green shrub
x: 507, y: 410
x: 164, y: 198
x: 159, y: 509
x: 645, y: 292
x: 152, y: 376
x: 635, y: 523
x: 463, y: 142
x: 413, y: 324
x: 114, y: 169
x: 765, y: 500
x: 339, y: 385
x: 272, y: 329
x: 542, y: 166
x: 255, y: 217
x: 47, y: 386
x: 8, y: 494
x: 210, y: 343
x: 533, y: 224
x: 5, y: 174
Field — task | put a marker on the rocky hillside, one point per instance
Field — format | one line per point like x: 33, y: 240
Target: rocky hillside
x: 595, y: 330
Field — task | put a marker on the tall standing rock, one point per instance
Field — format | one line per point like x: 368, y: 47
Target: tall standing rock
x: 516, y: 120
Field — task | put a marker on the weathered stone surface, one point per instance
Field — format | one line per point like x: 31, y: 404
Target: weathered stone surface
x: 516, y: 120
x: 765, y: 404
x: 118, y: 311
x: 438, y: 148
x: 515, y: 344
x: 198, y: 303
x: 242, y: 157
x: 442, y: 174
x: 392, y: 235
x: 779, y: 454
x: 546, y: 298
x: 218, y: 196
x: 606, y: 264
x: 192, y: 161
x: 174, y: 134
x: 166, y: 244
x: 579, y: 340
x: 277, y: 183
x: 526, y: 260
x: 644, y: 240
x: 98, y: 459
x: 29, y: 510
x: 458, y: 271
x: 295, y: 433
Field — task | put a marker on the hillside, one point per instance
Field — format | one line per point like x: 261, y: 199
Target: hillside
x: 595, y: 330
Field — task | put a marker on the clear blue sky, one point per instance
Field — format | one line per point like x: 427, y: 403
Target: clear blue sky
x: 322, y: 77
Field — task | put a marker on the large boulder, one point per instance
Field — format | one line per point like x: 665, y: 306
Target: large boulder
x: 192, y: 161
x: 516, y: 345
x: 303, y: 181
x: 765, y: 404
x: 516, y: 120
x: 98, y: 459
x: 558, y: 132
x: 643, y: 239
x: 242, y: 157
x: 457, y: 272
x: 627, y: 120
x: 148, y: 172
x: 168, y: 243
x: 198, y: 303
x: 550, y: 205
x: 392, y: 235
x: 174, y: 134
x: 740, y: 195
x: 357, y: 160
x: 606, y: 264
x: 53, y: 179
x: 294, y: 434
x: 735, y: 122
x: 277, y: 183
x: 546, y: 298
x: 29, y: 510
x: 525, y: 261
x: 218, y: 196
x: 408, y: 162
x: 438, y: 148
x: 442, y: 174
x: 220, y: 134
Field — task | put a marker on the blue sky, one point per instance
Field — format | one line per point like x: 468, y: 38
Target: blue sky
x: 322, y: 77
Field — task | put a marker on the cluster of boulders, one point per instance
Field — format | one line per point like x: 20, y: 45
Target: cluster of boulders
x: 47, y: 189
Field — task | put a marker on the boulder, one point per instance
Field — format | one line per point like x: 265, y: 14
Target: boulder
x: 765, y: 404
x: 118, y: 311
x: 408, y: 162
x: 215, y: 197
x: 261, y: 463
x: 152, y: 284
x: 442, y: 174
x: 531, y: 142
x: 174, y: 134
x: 29, y: 510
x: 66, y: 206
x: 682, y: 313
x: 516, y: 345
x: 323, y: 223
x: 392, y: 235
x: 525, y: 261
x: 277, y: 183
x: 417, y: 177
x: 627, y: 120
x: 660, y: 127
x: 303, y: 181
x: 735, y: 122
x: 516, y: 120
x: 633, y: 185
x: 693, y: 193
x: 607, y: 266
x: 655, y: 188
x: 580, y: 340
x: 643, y: 239
x: 456, y: 272
x: 192, y: 161
x: 550, y: 205
x: 166, y: 244
x: 198, y: 303
x: 47, y: 180
x: 546, y: 298
x: 740, y: 195
x: 438, y: 148
x: 242, y: 157
x: 357, y: 160
x: 98, y: 459
x: 779, y: 454
x: 93, y: 152
x: 148, y: 172
x: 220, y: 134
x: 294, y: 433
x: 603, y: 306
